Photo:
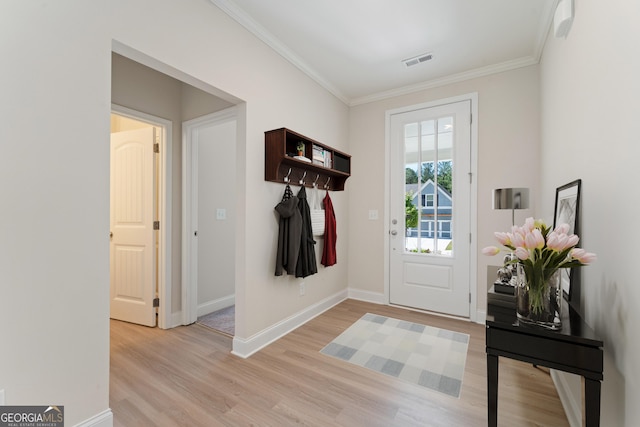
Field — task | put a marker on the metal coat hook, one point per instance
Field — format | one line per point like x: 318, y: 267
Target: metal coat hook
x: 316, y: 180
x: 301, y: 182
x: 286, y: 178
x: 326, y: 184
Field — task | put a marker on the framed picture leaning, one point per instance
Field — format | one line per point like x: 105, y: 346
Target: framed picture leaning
x: 567, y: 210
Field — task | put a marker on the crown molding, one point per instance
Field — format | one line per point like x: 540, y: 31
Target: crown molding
x: 241, y: 17
x: 230, y: 8
x: 543, y: 31
x: 443, y: 81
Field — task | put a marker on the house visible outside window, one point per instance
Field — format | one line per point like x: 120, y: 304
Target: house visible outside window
x: 428, y: 229
x: 427, y: 200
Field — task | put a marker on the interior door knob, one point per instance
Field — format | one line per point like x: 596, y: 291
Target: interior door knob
x: 394, y: 232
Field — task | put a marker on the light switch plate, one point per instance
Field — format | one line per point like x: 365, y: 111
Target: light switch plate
x: 221, y: 213
x: 373, y: 214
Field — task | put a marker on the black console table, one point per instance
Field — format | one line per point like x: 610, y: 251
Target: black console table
x: 575, y: 348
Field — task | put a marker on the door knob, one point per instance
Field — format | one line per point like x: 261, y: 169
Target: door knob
x: 394, y: 232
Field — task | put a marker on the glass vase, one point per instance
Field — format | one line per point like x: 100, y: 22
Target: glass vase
x: 539, y: 296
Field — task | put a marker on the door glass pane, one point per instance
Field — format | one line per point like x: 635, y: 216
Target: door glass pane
x: 428, y: 186
x: 445, y: 184
x: 412, y: 183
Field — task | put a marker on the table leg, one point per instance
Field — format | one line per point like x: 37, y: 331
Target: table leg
x: 592, y: 402
x: 492, y: 390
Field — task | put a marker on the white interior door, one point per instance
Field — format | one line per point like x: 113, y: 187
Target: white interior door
x: 132, y: 248
x: 430, y: 212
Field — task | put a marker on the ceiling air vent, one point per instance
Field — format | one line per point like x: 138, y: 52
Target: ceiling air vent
x: 417, y: 59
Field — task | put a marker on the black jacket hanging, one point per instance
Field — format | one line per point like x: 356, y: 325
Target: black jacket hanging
x: 306, y: 265
x: 288, y: 234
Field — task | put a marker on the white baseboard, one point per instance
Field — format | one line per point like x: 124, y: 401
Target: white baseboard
x: 367, y: 296
x: 481, y: 317
x: 215, y: 305
x: 103, y: 419
x: 176, y: 319
x: 246, y: 347
x: 379, y: 298
x: 572, y: 404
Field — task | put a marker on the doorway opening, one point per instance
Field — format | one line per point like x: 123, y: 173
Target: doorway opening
x: 161, y: 91
x: 209, y: 220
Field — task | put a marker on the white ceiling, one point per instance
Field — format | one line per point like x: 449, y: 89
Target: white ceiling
x: 355, y: 48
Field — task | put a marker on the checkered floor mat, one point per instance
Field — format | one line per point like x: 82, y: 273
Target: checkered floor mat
x: 429, y: 357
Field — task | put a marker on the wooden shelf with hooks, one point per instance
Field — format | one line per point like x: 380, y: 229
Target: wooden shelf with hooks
x: 316, y: 162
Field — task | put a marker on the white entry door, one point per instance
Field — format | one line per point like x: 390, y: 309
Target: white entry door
x: 132, y: 248
x: 430, y: 212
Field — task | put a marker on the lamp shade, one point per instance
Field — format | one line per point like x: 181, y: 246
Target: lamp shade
x: 511, y: 198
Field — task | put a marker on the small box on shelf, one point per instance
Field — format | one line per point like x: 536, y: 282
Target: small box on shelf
x: 342, y: 163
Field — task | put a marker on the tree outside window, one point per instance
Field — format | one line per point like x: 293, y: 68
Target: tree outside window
x: 445, y: 174
x: 411, y: 212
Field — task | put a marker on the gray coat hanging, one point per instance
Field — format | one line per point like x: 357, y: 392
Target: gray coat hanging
x: 306, y: 265
x: 289, y: 233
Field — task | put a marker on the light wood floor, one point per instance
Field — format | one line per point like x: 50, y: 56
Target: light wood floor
x: 187, y: 377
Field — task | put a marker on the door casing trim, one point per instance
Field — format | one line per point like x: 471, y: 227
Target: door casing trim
x: 164, y: 210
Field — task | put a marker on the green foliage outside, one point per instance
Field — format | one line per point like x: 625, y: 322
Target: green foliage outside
x: 427, y: 172
x: 445, y: 175
x: 411, y: 212
x: 411, y: 177
x: 422, y: 251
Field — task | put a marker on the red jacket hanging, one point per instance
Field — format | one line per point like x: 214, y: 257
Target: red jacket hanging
x: 330, y: 236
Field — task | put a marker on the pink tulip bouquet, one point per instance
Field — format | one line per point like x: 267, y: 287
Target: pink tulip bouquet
x: 541, y: 252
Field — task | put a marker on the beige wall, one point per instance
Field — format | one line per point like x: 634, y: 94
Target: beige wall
x: 590, y: 90
x: 508, y: 156
x: 55, y: 215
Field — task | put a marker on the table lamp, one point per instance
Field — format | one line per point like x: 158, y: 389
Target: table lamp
x: 509, y: 198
